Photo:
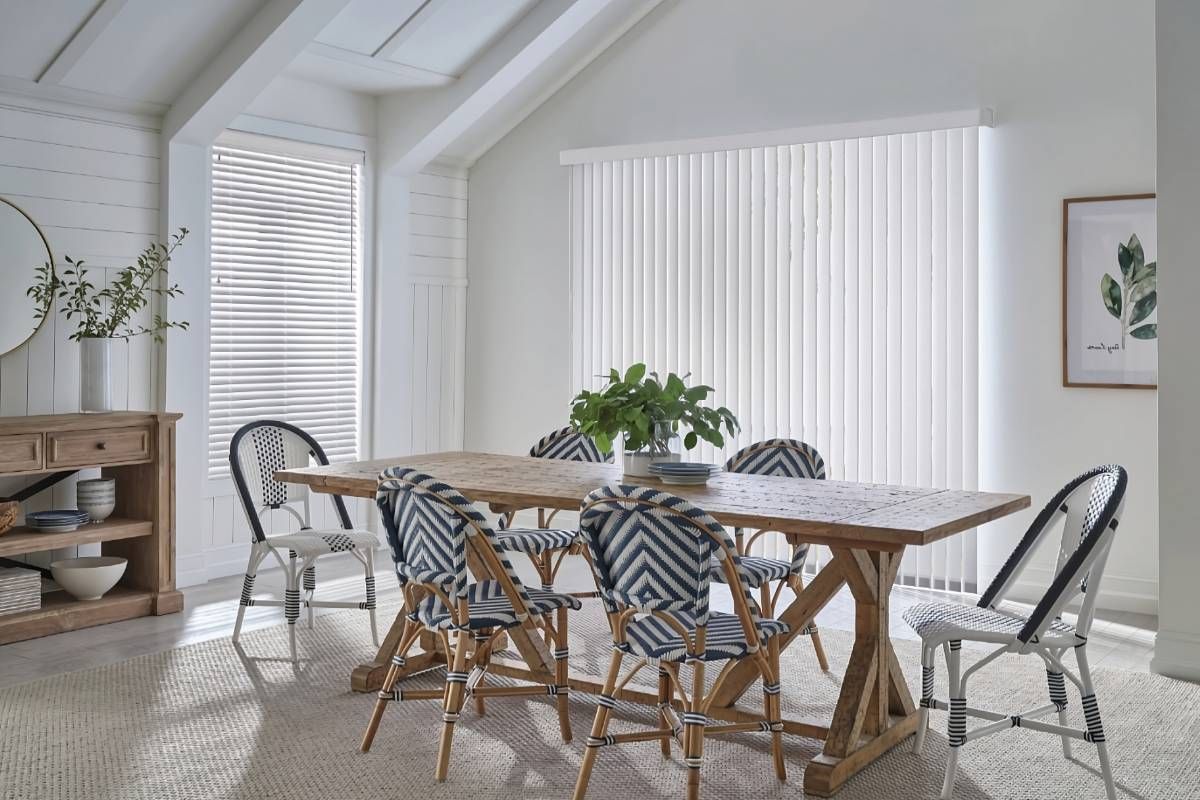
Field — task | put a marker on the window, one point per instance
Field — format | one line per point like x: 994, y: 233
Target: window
x: 827, y: 290
x: 285, y: 311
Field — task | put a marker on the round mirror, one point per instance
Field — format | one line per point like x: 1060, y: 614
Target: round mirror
x: 23, y: 249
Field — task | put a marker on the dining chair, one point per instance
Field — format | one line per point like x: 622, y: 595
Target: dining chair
x: 1091, y: 507
x: 546, y: 547
x: 651, y: 553
x: 430, y: 528
x: 791, y: 459
x: 257, y: 451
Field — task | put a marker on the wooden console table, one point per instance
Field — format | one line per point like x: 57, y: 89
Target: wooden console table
x: 137, y: 448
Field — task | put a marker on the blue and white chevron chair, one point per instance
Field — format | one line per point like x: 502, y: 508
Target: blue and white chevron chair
x: 257, y: 451
x: 430, y: 527
x: 545, y: 546
x: 790, y: 459
x: 651, y: 553
x: 1091, y: 506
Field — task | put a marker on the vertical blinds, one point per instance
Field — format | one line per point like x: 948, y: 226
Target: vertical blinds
x: 827, y: 290
x: 284, y: 326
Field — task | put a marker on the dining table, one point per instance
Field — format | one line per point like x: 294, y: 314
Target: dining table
x: 866, y: 526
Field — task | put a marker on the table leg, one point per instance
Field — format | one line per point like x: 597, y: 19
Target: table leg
x: 875, y: 710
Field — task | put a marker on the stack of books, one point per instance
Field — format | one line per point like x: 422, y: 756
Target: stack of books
x: 20, y: 590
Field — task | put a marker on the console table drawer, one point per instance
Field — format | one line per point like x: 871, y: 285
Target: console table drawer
x: 98, y: 447
x: 21, y: 452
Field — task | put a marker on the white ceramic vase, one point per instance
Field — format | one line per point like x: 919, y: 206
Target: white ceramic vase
x: 95, y: 368
x: 637, y: 465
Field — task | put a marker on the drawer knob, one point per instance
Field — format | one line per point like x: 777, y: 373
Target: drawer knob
x: 101, y: 445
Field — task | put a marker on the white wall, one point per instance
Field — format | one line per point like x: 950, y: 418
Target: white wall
x: 1073, y: 120
x: 89, y: 179
x: 1177, y: 650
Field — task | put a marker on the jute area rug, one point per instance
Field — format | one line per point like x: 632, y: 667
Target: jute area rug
x: 214, y: 721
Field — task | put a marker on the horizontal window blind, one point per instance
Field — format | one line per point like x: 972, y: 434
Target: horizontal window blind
x: 284, y: 326
x: 827, y: 290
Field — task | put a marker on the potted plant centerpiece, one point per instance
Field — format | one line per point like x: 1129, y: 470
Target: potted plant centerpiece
x: 648, y: 413
x: 103, y: 315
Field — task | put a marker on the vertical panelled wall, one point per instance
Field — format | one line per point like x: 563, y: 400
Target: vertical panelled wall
x: 438, y: 276
x: 91, y: 185
x: 828, y: 291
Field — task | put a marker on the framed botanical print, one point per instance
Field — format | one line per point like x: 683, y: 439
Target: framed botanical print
x: 1110, y: 291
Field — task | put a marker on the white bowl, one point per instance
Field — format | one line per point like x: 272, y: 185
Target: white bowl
x: 90, y: 577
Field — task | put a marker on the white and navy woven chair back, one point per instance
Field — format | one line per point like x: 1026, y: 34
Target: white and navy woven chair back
x: 652, y: 551
x: 427, y: 523
x: 787, y: 458
x: 1091, y: 507
x: 568, y: 444
x: 260, y: 449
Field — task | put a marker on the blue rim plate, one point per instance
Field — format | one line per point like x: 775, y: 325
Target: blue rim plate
x: 59, y: 516
x: 684, y: 467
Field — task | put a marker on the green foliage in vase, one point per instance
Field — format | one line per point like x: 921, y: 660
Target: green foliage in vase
x: 647, y: 411
x: 108, y: 312
x: 1133, y: 298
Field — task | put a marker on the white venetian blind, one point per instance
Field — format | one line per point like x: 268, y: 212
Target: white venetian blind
x: 284, y: 331
x: 827, y: 290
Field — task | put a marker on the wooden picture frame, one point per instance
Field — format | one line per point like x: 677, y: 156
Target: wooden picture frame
x: 1109, y: 278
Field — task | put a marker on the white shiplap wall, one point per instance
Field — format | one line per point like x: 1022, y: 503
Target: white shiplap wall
x: 438, y: 269
x: 91, y: 184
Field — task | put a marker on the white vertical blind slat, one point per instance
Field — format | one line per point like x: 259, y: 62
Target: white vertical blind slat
x: 827, y: 290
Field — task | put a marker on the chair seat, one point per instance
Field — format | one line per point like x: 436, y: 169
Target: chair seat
x: 937, y: 623
x: 759, y: 570
x: 318, y: 542
x: 535, y: 540
x: 490, y: 607
x: 652, y: 637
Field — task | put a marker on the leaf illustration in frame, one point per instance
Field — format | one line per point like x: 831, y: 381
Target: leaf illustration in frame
x: 1149, y: 331
x: 1143, y: 308
x: 1136, y: 251
x: 1124, y: 258
x: 1142, y: 288
x: 1145, y: 271
x: 1111, y: 293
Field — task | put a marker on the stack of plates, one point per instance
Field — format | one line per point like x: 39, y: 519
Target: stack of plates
x: 59, y: 521
x: 20, y: 590
x: 683, y: 474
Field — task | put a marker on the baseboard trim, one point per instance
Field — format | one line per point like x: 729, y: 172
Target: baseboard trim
x: 1177, y: 655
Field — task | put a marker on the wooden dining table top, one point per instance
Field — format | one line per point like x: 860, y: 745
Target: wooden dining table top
x: 836, y: 513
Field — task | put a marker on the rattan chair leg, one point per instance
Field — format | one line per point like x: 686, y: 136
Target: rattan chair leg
x: 665, y: 694
x: 772, y: 709
x: 599, y: 727
x: 456, y: 683
x: 561, y: 675
x: 407, y: 637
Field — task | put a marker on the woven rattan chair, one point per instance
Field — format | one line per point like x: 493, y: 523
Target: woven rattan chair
x: 1091, y: 505
x: 651, y: 554
x: 430, y: 527
x: 787, y: 458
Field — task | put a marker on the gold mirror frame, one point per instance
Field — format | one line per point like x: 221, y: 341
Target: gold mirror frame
x: 50, y: 261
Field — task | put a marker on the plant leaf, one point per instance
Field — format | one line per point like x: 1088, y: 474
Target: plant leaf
x: 1149, y: 331
x: 1145, y: 271
x: 635, y: 373
x: 1141, y: 288
x: 1124, y: 258
x: 1143, y: 308
x: 1112, y: 294
x: 690, y: 440
x: 1135, y: 249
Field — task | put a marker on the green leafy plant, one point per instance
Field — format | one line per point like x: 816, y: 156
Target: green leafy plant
x: 1134, y: 298
x: 108, y: 312
x: 647, y: 411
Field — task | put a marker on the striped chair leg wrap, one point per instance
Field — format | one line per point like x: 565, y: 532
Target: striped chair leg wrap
x: 677, y: 727
x: 450, y: 717
x: 310, y: 579
x: 692, y: 762
x: 370, y: 603
x: 561, y: 654
x: 291, y: 605
x: 956, y: 644
x: 809, y: 629
x: 769, y: 727
x: 456, y: 677
x: 606, y: 701
x: 247, y: 590
x: 399, y: 661
x: 554, y: 690
x: 547, y: 587
x: 927, y: 686
x: 1058, y: 689
x: 771, y: 688
x: 1091, y: 715
x: 958, y: 721
x: 601, y: 741
x: 691, y: 718
x: 395, y: 695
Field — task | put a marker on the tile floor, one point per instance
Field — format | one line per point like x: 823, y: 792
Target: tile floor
x: 1118, y: 640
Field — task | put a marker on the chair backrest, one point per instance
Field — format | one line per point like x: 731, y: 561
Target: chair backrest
x: 651, y: 551
x: 256, y: 452
x: 428, y: 525
x: 782, y: 457
x: 1090, y: 507
x: 568, y: 444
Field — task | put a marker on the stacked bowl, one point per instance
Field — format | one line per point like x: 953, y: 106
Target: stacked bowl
x: 97, y: 498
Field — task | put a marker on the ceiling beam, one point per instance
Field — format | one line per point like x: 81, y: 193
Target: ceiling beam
x: 248, y: 63
x: 410, y: 26
x: 81, y: 41
x: 416, y: 128
x: 422, y: 77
